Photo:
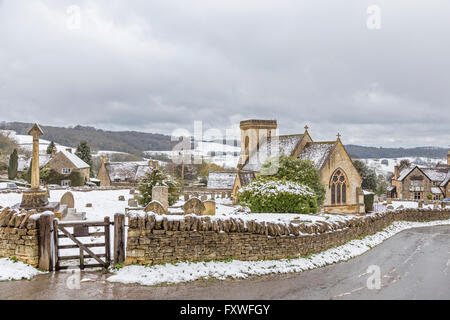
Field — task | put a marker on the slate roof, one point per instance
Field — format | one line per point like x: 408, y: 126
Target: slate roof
x: 446, y: 180
x: 437, y: 174
x: 317, y: 152
x: 131, y: 170
x: 221, y: 180
x: 273, y: 147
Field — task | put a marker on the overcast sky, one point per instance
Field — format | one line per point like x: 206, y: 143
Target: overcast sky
x: 156, y: 66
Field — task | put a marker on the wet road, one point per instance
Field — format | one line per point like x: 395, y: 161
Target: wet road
x: 414, y: 264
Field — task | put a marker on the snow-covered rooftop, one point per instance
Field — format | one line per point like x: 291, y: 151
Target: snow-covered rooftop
x: 130, y: 170
x: 77, y: 162
x: 273, y: 147
x: 221, y: 180
x: 317, y: 152
x: 436, y: 190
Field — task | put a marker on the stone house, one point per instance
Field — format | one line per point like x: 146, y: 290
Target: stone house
x: 65, y: 162
x: 341, y: 180
x: 421, y: 183
x: 123, y: 173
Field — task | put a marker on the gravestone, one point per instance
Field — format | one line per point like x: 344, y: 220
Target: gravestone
x: 132, y: 191
x: 68, y: 200
x: 420, y: 204
x: 161, y: 194
x: 88, y: 205
x: 132, y: 203
x: 223, y: 195
x: 156, y: 207
x: 204, y: 197
x: 210, y: 208
x: 389, y: 200
x: 193, y: 205
x: 186, y: 197
x: 121, y: 198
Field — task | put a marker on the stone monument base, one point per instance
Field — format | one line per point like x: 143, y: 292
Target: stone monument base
x: 32, y: 199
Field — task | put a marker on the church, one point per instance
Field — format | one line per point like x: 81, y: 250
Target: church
x: 342, y: 182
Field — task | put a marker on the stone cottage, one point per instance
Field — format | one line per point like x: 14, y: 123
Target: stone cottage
x: 123, y: 173
x: 342, y: 182
x: 421, y: 183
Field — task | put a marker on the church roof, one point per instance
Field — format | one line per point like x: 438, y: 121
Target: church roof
x: 317, y: 152
x: 273, y: 147
x: 221, y: 180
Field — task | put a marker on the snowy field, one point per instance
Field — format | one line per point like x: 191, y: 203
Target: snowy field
x: 187, y: 271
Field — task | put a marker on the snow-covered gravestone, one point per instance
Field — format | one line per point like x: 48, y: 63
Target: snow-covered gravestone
x: 161, y: 194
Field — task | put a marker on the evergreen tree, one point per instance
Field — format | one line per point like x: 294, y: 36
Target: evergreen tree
x: 157, y: 177
x: 84, y: 152
x: 405, y: 163
x: 368, y: 175
x: 50, y: 147
x: 13, y: 164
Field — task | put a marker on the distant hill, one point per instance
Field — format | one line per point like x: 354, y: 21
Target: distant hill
x: 124, y: 141
x: 136, y: 142
x: 380, y: 152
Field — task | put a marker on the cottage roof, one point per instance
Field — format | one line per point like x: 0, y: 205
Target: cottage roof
x: 273, y: 147
x: 317, y: 152
x: 405, y: 172
x: 77, y: 162
x: 435, y: 174
x: 221, y: 180
x: 436, y: 190
x: 129, y: 170
x: 446, y: 180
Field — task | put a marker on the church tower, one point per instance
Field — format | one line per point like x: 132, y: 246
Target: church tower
x: 253, y: 132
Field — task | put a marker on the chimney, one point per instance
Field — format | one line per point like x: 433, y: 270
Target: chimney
x: 396, y: 172
x: 448, y: 157
x: 104, y: 159
x: 53, y: 151
x: 69, y: 150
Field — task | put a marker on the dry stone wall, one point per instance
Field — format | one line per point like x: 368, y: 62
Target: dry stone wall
x: 19, y: 235
x: 156, y: 240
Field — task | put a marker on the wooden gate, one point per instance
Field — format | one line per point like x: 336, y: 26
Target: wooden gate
x: 81, y: 230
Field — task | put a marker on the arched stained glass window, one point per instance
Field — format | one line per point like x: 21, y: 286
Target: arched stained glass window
x: 338, y: 188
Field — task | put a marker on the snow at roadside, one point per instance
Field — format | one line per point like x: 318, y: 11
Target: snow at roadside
x: 10, y: 270
x: 187, y: 271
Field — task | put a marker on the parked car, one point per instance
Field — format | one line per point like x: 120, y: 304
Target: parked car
x: 53, y: 186
x: 8, y: 186
x: 446, y: 200
x: 91, y: 184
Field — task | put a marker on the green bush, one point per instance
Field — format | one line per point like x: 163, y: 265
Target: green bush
x: 286, y: 168
x: 50, y: 176
x: 278, y: 196
x: 368, y: 202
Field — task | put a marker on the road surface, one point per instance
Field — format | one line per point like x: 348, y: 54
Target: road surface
x: 414, y: 264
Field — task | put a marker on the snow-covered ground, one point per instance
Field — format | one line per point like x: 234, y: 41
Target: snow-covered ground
x: 12, y: 270
x: 187, y: 271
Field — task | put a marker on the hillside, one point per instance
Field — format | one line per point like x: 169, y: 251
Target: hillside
x: 380, y: 152
x: 137, y: 142
x: 123, y: 141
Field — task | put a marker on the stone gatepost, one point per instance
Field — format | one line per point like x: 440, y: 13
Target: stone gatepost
x: 161, y: 194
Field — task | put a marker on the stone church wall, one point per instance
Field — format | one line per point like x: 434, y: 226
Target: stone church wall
x: 157, y: 241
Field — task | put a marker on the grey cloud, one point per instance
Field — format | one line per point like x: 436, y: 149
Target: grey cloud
x: 161, y: 65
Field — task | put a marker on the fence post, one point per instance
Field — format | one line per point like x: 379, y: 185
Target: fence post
x: 119, y: 238
x: 45, y: 246
x: 107, y: 242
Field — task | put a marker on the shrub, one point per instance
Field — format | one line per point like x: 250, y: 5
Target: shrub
x: 278, y: 196
x: 296, y: 170
x: 368, y: 202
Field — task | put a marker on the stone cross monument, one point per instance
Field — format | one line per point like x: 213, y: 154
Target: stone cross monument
x: 35, y: 197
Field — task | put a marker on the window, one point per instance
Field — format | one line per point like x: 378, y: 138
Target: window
x: 65, y: 183
x: 417, y: 195
x: 66, y: 170
x: 339, y: 188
